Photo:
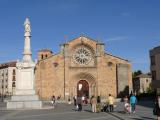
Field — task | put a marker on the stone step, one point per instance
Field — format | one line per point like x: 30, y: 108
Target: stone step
x: 24, y: 98
x: 24, y: 104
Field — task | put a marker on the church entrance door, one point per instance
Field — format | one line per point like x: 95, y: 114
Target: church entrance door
x: 83, y: 88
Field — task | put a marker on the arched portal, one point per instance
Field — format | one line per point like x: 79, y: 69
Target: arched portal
x: 88, y: 82
x: 83, y: 88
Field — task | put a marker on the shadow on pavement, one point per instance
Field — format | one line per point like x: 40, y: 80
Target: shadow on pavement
x: 143, y: 118
x: 121, y: 112
x: 146, y: 103
x: 88, y: 111
x: 148, y: 118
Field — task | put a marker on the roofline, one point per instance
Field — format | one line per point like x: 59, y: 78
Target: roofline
x: 117, y: 57
x: 8, y: 64
x: 49, y: 57
x: 85, y: 37
x: 139, y: 76
x: 41, y: 50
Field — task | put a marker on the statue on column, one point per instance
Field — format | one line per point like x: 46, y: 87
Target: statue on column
x: 27, y: 27
x: 25, y: 96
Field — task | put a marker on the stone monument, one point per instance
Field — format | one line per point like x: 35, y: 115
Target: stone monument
x: 24, y: 95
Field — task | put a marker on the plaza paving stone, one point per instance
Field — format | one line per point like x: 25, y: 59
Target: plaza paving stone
x: 68, y: 112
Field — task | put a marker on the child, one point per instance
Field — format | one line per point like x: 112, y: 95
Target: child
x: 127, y: 107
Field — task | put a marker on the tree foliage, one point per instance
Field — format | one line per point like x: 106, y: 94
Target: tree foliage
x: 150, y: 89
x: 136, y: 73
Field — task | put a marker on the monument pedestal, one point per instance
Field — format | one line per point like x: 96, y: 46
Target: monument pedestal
x: 24, y: 96
x: 24, y: 102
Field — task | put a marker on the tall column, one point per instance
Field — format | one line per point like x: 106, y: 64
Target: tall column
x: 27, y: 49
x: 24, y: 95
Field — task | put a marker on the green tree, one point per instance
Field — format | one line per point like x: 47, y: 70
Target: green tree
x: 150, y: 89
x: 136, y: 73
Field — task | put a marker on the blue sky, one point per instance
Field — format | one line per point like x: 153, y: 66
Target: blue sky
x: 129, y: 28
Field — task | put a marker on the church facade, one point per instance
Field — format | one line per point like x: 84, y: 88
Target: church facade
x: 82, y: 68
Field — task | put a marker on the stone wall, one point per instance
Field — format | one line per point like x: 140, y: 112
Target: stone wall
x: 59, y: 74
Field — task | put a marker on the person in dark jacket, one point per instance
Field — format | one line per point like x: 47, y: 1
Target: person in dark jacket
x: 75, y: 99
x: 79, y: 103
x: 98, y: 104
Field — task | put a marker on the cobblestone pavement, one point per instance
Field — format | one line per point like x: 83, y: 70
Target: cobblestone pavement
x: 68, y: 112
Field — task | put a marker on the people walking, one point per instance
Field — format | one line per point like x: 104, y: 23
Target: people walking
x: 158, y: 113
x: 156, y: 110
x: 94, y: 104
x: 75, y: 99
x: 111, y: 102
x: 133, y: 102
x: 127, y: 106
x: 125, y: 99
x: 91, y: 100
x: 69, y: 101
x: 53, y: 101
x: 79, y: 103
x: 98, y: 104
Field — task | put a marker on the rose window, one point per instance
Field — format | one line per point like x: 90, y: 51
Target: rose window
x: 82, y: 56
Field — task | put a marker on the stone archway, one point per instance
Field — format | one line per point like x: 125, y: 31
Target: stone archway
x: 89, y: 81
x: 83, y: 88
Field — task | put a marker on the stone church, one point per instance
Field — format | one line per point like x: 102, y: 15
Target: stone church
x: 82, y: 68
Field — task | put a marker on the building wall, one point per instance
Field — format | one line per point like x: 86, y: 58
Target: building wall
x: 141, y: 84
x: 155, y: 67
x: 11, y: 79
x: 144, y: 84
x: 3, y: 81
x: 6, y: 78
x: 60, y: 70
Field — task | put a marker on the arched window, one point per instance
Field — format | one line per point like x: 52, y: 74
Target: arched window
x: 110, y: 64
